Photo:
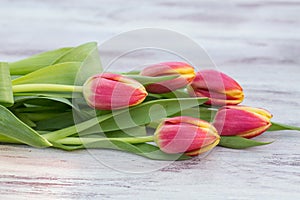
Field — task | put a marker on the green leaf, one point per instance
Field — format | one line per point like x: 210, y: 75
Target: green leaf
x: 135, y: 116
x: 77, y: 54
x: 236, y: 142
x: 180, y: 93
x: 62, y: 121
x: 146, y: 80
x: 6, y: 94
x: 201, y: 112
x: 36, y: 109
x: 54, y: 102
x: 5, y: 139
x: 37, y: 62
x: 88, y: 55
x: 48, y: 113
x: 62, y: 73
x: 12, y: 127
x: 154, y: 153
x: 278, y: 127
x: 137, y: 131
x: 73, y: 68
x: 143, y: 149
x: 25, y: 119
x: 147, y: 112
x: 135, y: 72
x: 67, y: 147
x: 35, y: 117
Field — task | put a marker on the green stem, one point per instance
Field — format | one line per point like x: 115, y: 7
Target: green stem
x: 78, y: 141
x: 46, y: 88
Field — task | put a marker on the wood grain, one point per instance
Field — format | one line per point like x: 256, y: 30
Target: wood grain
x: 256, y: 42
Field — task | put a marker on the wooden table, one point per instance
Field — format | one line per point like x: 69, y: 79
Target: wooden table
x: 256, y: 42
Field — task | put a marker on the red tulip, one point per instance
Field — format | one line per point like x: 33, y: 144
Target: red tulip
x: 186, y: 135
x: 109, y: 91
x: 218, y: 87
x: 242, y: 121
x: 185, y: 71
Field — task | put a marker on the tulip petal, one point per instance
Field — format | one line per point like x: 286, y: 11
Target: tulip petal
x: 185, y: 71
x: 220, y: 88
x: 185, y: 134
x: 109, y: 91
x: 243, y: 121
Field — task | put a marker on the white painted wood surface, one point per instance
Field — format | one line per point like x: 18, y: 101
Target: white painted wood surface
x: 256, y: 42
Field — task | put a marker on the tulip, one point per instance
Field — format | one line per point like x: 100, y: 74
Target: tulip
x: 177, y: 135
x: 188, y: 135
x: 218, y: 87
x: 242, y: 121
x: 185, y: 71
x: 109, y: 91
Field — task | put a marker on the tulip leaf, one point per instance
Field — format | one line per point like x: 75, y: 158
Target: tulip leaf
x: 25, y: 119
x: 6, y: 94
x: 146, y: 80
x: 278, y: 127
x: 67, y: 147
x: 88, y: 55
x: 137, y: 131
x: 147, y: 112
x: 46, y: 112
x: 62, y: 73
x: 74, y: 67
x: 36, y: 109
x: 39, y: 116
x: 62, y: 121
x: 54, y: 102
x: 135, y: 116
x: 78, y: 54
x: 37, y: 62
x: 236, y: 142
x: 5, y: 139
x: 143, y: 149
x: 201, y: 112
x: 180, y: 93
x: 12, y: 127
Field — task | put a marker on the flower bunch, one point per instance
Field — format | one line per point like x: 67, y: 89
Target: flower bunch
x: 191, y: 112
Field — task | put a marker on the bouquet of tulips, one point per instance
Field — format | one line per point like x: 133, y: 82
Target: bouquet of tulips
x: 62, y: 99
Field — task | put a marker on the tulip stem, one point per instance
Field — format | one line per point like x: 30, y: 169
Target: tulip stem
x: 46, y: 88
x: 78, y: 141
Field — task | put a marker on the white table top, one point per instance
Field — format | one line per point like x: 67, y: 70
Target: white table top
x: 256, y: 42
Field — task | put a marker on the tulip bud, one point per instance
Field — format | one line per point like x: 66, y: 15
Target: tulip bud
x: 242, y: 121
x: 218, y: 87
x: 109, y: 91
x: 185, y: 71
x: 188, y: 135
